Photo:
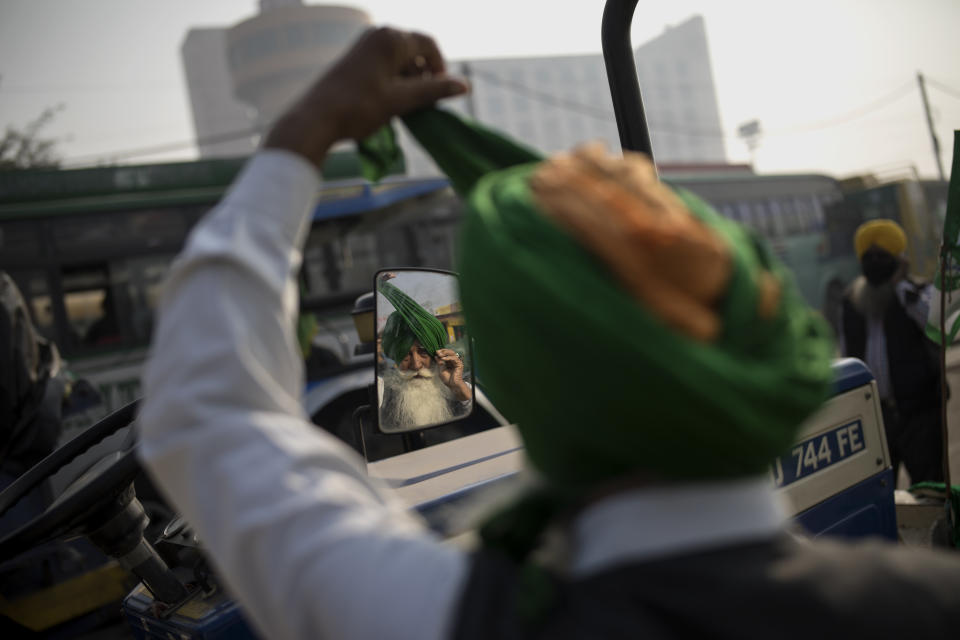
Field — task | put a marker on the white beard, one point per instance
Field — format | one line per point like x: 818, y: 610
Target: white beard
x: 416, y: 399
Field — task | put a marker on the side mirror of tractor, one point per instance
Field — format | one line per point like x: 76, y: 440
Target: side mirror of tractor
x: 423, y: 358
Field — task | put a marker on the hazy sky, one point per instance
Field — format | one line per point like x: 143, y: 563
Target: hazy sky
x: 809, y: 71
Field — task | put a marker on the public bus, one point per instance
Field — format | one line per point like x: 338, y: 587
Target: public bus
x: 806, y: 219
x: 90, y: 248
x: 809, y: 220
x: 918, y: 205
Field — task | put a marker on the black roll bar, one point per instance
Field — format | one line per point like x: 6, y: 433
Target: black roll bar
x: 622, y: 76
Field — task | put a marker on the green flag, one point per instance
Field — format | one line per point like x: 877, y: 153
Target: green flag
x: 409, y: 322
x: 947, y: 280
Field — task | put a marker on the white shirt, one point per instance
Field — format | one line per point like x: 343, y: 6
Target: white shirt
x: 310, y: 545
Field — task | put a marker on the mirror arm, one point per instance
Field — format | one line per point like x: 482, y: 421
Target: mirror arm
x: 622, y: 75
x: 413, y: 440
x: 361, y: 413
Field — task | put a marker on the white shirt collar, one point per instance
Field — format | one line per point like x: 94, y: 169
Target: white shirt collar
x: 654, y: 523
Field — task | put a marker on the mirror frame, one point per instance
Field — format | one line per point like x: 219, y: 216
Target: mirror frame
x: 376, y: 364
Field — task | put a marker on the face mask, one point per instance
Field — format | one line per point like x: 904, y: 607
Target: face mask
x: 878, y: 266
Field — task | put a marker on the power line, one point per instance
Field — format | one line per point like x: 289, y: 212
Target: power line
x: 98, y: 158
x: 542, y: 96
x: 943, y: 87
x: 25, y: 88
x: 853, y: 114
x: 547, y: 98
x: 605, y: 115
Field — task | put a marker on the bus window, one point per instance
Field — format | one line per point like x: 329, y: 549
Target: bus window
x: 746, y: 216
x: 359, y: 260
x: 776, y: 215
x: 804, y: 215
x: 317, y: 262
x: 42, y: 310
x: 92, y: 315
x: 335, y: 262
x: 146, y: 276
x: 90, y: 307
x: 91, y: 236
x: 112, y: 304
x: 842, y: 219
x: 791, y: 223
x: 437, y: 241
x: 33, y: 286
x: 818, y: 217
x: 763, y: 220
x: 728, y: 211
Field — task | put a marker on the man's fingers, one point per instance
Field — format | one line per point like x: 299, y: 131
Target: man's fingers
x: 450, y: 361
x: 424, y: 47
x: 391, y: 43
x: 417, y: 59
x: 411, y: 54
x: 415, y: 93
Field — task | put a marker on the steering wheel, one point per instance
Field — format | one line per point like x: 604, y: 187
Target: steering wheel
x: 85, y: 503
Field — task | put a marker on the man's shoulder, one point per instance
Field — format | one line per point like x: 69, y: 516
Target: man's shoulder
x: 874, y: 558
x: 858, y: 590
x: 832, y: 581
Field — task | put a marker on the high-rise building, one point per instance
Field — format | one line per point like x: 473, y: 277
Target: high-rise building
x: 242, y: 77
x: 549, y: 103
x: 274, y: 56
x: 218, y: 117
x: 554, y: 103
x: 680, y: 97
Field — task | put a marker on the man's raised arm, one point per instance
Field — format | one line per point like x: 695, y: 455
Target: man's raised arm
x: 298, y: 532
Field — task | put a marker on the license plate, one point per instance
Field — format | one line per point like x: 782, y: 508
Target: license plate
x: 817, y: 453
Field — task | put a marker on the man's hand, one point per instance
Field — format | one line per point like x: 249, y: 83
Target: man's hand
x: 451, y: 372
x: 386, y: 73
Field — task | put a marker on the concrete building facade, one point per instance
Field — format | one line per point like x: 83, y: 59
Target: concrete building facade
x: 549, y: 103
x: 217, y: 114
x: 242, y: 77
x: 555, y: 103
x: 275, y: 55
x: 680, y: 97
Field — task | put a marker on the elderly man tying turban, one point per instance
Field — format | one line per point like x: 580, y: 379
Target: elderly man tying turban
x: 695, y: 362
x: 884, y: 314
x: 424, y: 384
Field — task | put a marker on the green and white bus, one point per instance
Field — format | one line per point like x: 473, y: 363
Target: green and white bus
x: 810, y: 220
x: 89, y: 249
x: 806, y: 218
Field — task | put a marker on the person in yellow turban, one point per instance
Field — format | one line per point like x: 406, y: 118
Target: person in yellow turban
x: 883, y: 234
x: 884, y: 313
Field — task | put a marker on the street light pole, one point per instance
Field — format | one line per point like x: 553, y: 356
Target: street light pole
x: 933, y: 133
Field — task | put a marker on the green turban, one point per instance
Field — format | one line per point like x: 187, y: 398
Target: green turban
x: 600, y: 388
x: 409, y: 322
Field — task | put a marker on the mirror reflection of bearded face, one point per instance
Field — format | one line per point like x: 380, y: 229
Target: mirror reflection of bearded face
x: 414, y: 393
